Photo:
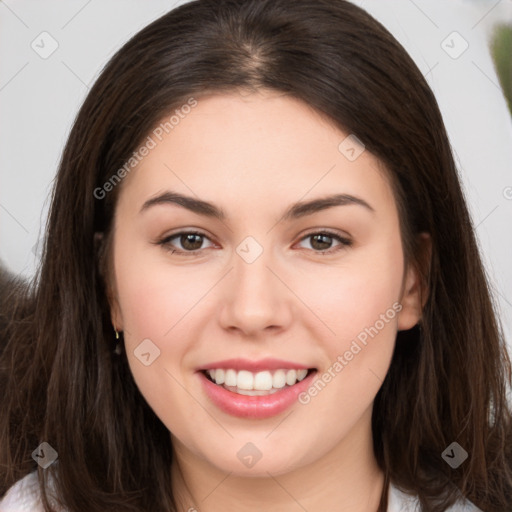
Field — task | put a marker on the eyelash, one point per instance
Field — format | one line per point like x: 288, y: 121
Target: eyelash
x: 344, y: 242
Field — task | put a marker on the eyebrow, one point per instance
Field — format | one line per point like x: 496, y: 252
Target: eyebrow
x: 297, y: 210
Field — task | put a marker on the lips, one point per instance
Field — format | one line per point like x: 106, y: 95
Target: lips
x: 254, y: 366
x: 256, y: 397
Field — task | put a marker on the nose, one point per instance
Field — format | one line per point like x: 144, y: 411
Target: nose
x: 256, y: 302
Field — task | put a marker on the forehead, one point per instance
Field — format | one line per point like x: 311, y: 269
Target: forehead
x: 261, y: 145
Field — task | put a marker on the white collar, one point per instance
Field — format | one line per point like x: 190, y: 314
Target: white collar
x: 398, y: 501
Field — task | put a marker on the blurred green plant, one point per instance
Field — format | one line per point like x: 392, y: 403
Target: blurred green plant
x: 501, y: 49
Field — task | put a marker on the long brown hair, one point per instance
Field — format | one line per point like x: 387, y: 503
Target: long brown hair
x: 448, y: 379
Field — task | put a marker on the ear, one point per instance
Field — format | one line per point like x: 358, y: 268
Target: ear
x: 415, y: 287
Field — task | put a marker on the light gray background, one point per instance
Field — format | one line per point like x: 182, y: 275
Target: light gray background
x: 39, y: 98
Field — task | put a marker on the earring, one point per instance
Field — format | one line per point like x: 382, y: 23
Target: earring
x: 117, y: 350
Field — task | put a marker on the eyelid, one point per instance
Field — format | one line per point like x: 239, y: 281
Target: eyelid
x: 164, y: 241
x: 327, y: 231
x: 344, y: 240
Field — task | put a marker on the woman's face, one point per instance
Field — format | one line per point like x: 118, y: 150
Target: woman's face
x: 321, y: 288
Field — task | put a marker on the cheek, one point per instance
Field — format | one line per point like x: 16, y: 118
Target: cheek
x: 157, y: 303
x: 353, y: 295
x: 154, y: 296
x: 359, y: 304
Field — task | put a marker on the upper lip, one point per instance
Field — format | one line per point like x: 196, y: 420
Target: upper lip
x: 254, y: 366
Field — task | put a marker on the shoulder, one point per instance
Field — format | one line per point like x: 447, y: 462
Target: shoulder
x: 401, y: 502
x: 23, y: 496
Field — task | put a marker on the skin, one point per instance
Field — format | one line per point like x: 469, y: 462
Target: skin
x: 254, y: 155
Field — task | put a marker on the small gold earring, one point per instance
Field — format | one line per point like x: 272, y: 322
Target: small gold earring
x: 117, y: 349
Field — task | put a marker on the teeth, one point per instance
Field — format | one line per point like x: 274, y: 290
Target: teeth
x: 255, y: 392
x: 229, y: 379
x: 291, y: 377
x: 301, y: 374
x: 262, y: 381
x: 279, y: 379
x: 247, y: 382
x: 220, y: 376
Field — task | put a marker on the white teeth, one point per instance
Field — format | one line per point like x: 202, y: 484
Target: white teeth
x: 220, y: 376
x: 244, y: 380
x: 264, y: 381
x: 229, y: 379
x: 301, y: 374
x: 291, y: 377
x: 279, y: 379
x: 255, y: 392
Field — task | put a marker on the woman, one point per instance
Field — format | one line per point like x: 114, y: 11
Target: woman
x: 260, y: 287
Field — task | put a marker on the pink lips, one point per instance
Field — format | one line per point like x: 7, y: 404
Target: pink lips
x: 254, y: 366
x: 257, y: 407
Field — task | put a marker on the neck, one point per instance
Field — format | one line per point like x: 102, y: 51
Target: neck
x: 345, y: 478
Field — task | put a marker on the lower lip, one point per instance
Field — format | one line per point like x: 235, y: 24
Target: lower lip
x: 259, y: 407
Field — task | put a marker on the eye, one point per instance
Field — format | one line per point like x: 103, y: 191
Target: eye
x: 321, y: 242
x: 190, y: 242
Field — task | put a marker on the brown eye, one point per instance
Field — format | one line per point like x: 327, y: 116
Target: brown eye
x: 322, y: 242
x: 187, y: 242
x: 191, y: 241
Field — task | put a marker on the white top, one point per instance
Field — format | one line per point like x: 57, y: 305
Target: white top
x: 401, y: 502
x: 23, y: 496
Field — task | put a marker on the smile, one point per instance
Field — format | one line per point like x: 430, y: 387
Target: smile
x: 261, y: 383
x: 254, y: 394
